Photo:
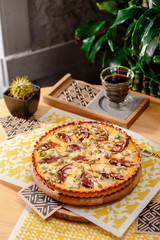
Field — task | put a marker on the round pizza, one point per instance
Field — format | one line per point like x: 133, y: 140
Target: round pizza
x: 86, y: 159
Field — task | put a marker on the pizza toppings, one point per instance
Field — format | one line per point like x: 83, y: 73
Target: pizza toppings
x: 85, y: 156
x: 120, y: 145
x: 64, y: 137
x: 121, y: 162
x: 107, y: 155
x: 47, y: 145
x: 85, y: 181
x: 92, y: 162
x: 98, y: 134
x: 112, y: 175
x: 51, y: 160
x: 79, y: 158
x: 101, y: 136
x: 81, y: 133
x: 73, y: 147
x: 61, y: 174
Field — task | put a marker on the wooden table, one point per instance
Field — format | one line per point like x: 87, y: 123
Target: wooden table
x: 148, y: 125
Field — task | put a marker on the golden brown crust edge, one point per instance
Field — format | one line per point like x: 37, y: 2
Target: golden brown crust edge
x: 86, y: 201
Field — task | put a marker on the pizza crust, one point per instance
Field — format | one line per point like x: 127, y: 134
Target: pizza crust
x: 86, y: 201
x: 70, y: 163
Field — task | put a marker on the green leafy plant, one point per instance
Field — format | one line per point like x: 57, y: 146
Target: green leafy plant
x: 21, y: 88
x: 111, y: 6
x: 132, y: 39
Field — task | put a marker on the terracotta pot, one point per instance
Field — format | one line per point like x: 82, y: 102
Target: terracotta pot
x: 23, y: 108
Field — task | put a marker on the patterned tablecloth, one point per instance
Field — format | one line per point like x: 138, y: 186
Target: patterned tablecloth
x: 108, y: 221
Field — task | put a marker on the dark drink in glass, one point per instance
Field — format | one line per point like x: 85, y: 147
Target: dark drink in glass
x: 116, y: 82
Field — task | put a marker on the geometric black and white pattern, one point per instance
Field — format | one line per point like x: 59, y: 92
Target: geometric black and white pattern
x: 13, y: 126
x: 44, y: 205
x: 79, y: 93
x: 149, y: 219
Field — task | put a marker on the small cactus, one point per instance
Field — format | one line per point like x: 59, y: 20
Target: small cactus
x: 21, y: 88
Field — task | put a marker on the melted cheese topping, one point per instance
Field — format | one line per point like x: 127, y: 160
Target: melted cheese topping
x: 85, y: 157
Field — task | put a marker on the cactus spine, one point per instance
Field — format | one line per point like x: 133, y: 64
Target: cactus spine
x: 21, y: 88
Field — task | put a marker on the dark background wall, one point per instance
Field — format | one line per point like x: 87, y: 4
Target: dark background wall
x: 39, y: 40
x: 53, y: 22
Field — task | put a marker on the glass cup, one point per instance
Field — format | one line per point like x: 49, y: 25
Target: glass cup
x: 116, y: 82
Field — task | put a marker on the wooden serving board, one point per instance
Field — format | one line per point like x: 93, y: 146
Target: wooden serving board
x: 68, y: 215
x: 76, y: 96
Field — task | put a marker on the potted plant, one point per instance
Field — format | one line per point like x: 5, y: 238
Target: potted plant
x: 132, y: 39
x: 22, y: 97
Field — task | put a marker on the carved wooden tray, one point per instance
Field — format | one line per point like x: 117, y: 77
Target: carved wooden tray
x: 85, y: 99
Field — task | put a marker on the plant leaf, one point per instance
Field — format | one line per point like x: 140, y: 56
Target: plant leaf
x: 107, y: 58
x: 96, y: 47
x: 128, y: 34
x: 156, y: 3
x: 146, y: 69
x: 128, y: 13
x: 129, y: 30
x: 114, y: 59
x: 119, y: 57
x: 133, y: 2
x: 142, y: 28
x: 149, y: 72
x: 110, y: 6
x: 150, y: 49
x: 152, y: 33
x: 156, y: 59
x: 88, y: 29
x: 111, y: 34
x: 86, y: 45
